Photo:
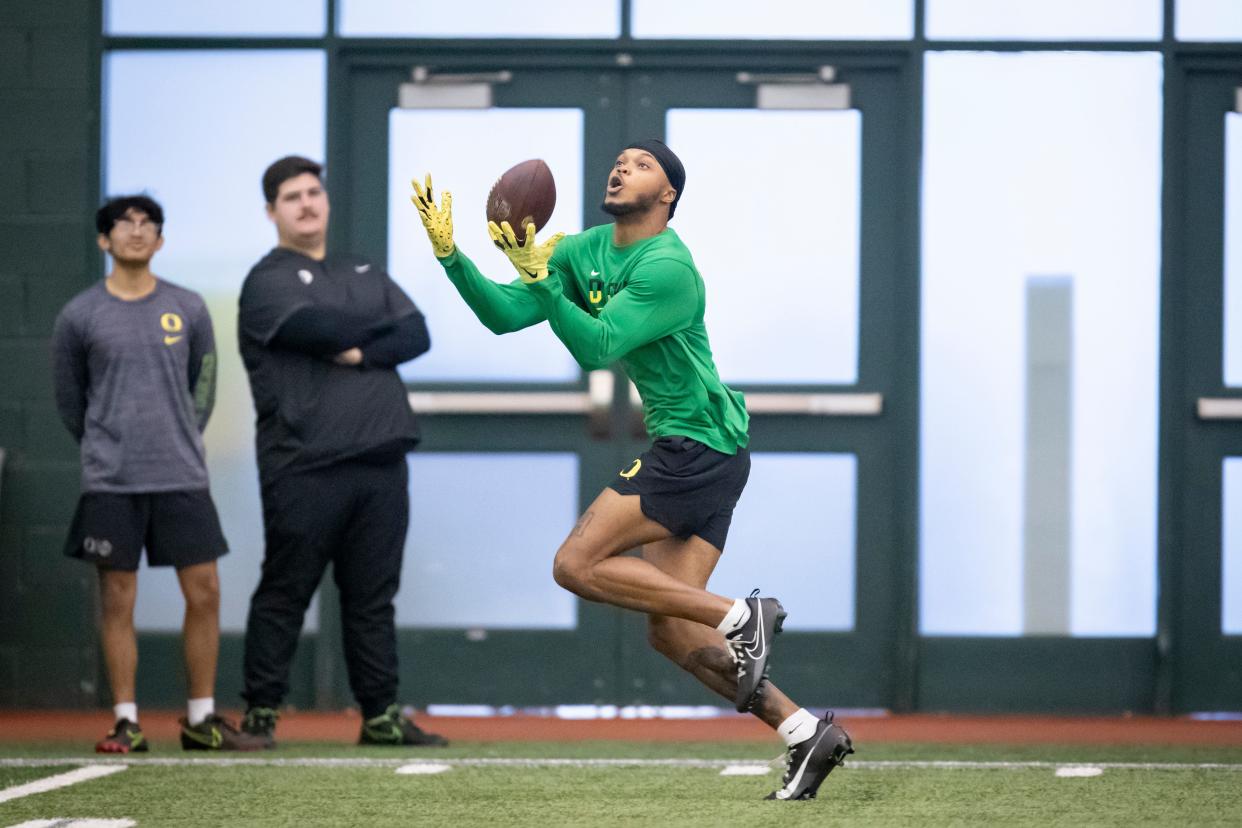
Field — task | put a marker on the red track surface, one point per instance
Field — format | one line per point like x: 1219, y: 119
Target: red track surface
x: 85, y: 727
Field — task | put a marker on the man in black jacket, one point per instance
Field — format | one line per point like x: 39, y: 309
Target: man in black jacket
x: 321, y: 338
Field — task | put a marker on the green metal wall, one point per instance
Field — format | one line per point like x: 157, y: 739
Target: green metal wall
x: 49, y: 115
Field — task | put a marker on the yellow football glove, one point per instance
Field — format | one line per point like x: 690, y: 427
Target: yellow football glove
x: 530, y: 259
x: 437, y: 221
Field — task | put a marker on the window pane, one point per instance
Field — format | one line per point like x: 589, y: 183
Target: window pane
x: 1233, y: 250
x: 1045, y: 19
x: 449, y: 144
x: 793, y: 19
x: 485, y: 559
x: 480, y: 18
x: 1208, y: 20
x: 196, y: 130
x: 803, y: 284
x: 1039, y: 343
x: 1231, y: 548
x: 220, y: 17
x: 796, y: 559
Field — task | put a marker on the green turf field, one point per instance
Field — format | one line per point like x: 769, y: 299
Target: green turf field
x: 599, y: 783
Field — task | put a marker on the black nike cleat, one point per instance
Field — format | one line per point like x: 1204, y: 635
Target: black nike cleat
x: 260, y: 722
x: 392, y: 727
x: 124, y: 737
x: 217, y: 733
x: 751, y: 645
x: 808, y: 763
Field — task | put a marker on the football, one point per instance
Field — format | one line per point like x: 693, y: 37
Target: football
x: 525, y: 193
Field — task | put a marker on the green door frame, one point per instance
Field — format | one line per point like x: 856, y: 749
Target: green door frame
x: 1205, y: 666
x: 861, y: 669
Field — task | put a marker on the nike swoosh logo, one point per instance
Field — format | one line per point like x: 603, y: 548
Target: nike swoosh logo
x: 759, y: 646
x: 361, y: 268
x: 787, y: 791
x: 214, y: 740
x: 171, y: 340
x: 594, y: 272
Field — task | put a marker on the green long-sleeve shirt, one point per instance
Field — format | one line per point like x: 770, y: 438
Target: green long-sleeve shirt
x: 642, y: 305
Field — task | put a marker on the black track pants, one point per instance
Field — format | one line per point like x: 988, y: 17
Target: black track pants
x: 354, y: 515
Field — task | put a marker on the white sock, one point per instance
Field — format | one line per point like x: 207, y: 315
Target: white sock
x: 126, y: 710
x: 799, y: 727
x: 199, y: 709
x: 737, y: 615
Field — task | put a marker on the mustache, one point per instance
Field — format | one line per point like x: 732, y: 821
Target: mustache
x: 308, y: 214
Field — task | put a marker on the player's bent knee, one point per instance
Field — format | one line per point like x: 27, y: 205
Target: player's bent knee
x: 573, y: 573
x: 566, y: 574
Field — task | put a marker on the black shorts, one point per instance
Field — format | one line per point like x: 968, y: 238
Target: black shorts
x: 176, y: 528
x: 686, y: 487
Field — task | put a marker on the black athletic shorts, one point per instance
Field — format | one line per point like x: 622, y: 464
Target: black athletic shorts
x: 176, y: 528
x: 686, y: 487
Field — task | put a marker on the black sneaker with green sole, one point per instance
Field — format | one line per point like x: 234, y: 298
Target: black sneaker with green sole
x: 394, y: 728
x: 124, y: 737
x: 260, y: 722
x: 216, y: 733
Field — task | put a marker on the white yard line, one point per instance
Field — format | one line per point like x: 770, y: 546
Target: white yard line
x: 60, y: 780
x: 103, y: 766
x: 71, y: 822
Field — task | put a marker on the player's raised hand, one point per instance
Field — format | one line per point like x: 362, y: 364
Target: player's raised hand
x: 438, y: 221
x: 530, y: 259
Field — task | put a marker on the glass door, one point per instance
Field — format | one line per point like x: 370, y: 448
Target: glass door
x: 793, y: 209
x: 806, y: 316
x: 1204, y: 375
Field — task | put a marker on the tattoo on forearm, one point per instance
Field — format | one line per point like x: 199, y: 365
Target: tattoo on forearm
x: 583, y: 522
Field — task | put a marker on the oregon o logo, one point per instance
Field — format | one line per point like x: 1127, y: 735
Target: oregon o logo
x: 171, y: 322
x: 632, y: 470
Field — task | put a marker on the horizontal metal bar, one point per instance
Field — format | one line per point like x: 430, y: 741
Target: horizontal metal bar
x: 820, y: 404
x: 1219, y: 408
x: 595, y: 400
x: 500, y: 402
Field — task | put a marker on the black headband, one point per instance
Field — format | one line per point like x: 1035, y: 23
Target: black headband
x: 667, y: 159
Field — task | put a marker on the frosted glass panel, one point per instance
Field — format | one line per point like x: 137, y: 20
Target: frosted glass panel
x: 1231, y: 548
x: 479, y: 550
x: 221, y: 17
x: 786, y: 19
x: 1208, y: 20
x: 1233, y: 250
x: 480, y: 18
x: 804, y: 281
x: 196, y: 130
x: 793, y: 537
x: 449, y: 144
x: 1045, y: 19
x: 1041, y: 228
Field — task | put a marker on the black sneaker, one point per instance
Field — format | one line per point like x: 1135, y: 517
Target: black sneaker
x: 260, y: 722
x: 751, y: 645
x: 124, y: 737
x: 216, y: 733
x: 808, y: 763
x: 393, y: 728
